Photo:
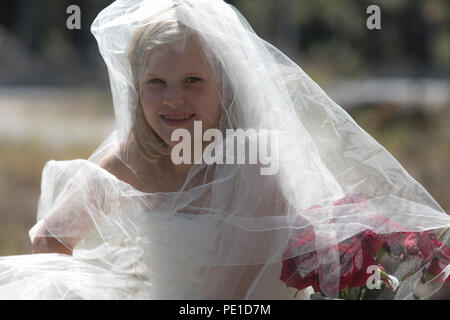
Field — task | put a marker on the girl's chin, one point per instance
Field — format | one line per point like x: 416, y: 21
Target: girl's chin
x: 172, y: 143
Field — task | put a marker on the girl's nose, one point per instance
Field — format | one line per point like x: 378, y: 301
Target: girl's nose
x: 173, y: 96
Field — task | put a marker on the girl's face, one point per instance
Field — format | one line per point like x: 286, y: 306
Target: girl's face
x: 177, y: 89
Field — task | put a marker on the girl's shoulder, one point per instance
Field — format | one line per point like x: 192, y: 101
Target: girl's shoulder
x: 116, y: 166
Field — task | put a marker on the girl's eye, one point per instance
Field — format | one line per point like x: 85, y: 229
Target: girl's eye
x: 192, y: 79
x: 156, y: 81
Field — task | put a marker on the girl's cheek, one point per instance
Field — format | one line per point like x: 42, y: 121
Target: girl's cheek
x: 150, y: 100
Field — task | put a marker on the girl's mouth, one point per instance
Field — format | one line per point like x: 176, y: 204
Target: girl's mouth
x: 177, y: 119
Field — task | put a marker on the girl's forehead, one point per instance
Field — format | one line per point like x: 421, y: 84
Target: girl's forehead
x: 178, y: 55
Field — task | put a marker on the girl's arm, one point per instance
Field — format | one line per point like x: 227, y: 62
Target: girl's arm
x: 49, y: 244
x: 69, y: 223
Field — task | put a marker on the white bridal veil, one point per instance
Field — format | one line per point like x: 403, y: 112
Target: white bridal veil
x: 324, y: 159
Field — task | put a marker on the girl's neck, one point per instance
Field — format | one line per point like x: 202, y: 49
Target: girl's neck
x: 174, y: 170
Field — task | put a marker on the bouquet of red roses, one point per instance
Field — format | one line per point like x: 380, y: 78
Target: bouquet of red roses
x: 361, y: 257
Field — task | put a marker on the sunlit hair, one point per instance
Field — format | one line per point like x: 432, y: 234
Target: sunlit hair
x: 147, y: 39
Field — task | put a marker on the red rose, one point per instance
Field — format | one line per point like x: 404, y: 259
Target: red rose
x: 373, y: 241
x: 358, y: 253
x: 410, y: 243
x: 441, y: 260
x: 351, y: 262
x: 294, y: 268
x: 393, y: 242
x: 356, y: 257
x: 443, y: 251
x: 436, y: 267
x: 422, y: 244
x: 299, y: 271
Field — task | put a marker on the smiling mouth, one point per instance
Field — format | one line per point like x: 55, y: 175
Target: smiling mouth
x: 177, y: 119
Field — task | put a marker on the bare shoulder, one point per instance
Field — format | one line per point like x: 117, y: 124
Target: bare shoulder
x: 113, y: 164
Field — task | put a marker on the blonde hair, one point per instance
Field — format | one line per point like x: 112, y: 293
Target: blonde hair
x: 147, y: 39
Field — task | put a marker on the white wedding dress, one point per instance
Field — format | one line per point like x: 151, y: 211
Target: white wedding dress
x: 137, y: 254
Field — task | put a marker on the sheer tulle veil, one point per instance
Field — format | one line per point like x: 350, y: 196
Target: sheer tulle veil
x: 322, y: 156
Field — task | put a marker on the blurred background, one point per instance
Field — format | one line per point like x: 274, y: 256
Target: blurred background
x: 55, y: 101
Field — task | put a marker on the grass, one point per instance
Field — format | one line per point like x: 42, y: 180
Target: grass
x: 21, y: 165
x: 420, y: 142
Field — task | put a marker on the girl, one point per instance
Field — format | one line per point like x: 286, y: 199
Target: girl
x: 130, y: 222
